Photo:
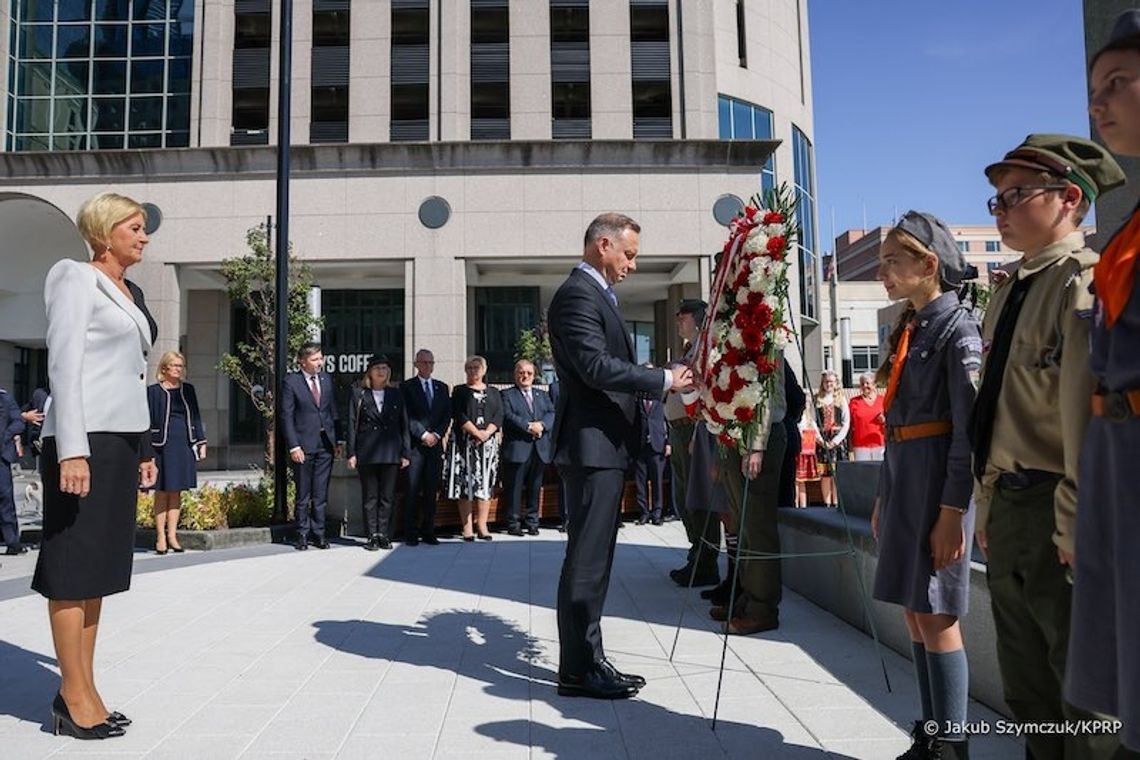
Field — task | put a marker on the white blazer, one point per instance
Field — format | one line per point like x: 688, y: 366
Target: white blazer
x: 97, y: 342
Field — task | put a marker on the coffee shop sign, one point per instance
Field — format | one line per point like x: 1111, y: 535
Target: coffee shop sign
x: 346, y: 363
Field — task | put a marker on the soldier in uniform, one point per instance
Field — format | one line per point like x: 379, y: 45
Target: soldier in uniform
x: 922, y: 513
x: 1035, y: 335
x: 1104, y: 646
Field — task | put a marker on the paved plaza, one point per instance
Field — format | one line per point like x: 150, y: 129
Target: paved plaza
x: 444, y: 652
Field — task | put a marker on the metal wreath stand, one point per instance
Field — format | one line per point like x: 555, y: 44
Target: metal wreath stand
x: 745, y: 555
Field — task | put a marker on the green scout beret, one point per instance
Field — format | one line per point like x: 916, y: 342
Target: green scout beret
x: 1077, y: 159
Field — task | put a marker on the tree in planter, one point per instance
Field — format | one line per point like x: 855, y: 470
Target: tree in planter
x: 250, y: 282
x: 533, y: 344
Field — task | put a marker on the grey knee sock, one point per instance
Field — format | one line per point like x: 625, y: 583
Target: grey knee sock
x: 949, y: 687
x: 922, y: 677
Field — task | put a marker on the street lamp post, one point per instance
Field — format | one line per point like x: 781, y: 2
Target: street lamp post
x: 281, y: 315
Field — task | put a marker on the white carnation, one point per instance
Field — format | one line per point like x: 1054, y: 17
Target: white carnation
x: 726, y: 411
x: 748, y: 372
x: 757, y: 241
x: 780, y: 338
x: 735, y: 338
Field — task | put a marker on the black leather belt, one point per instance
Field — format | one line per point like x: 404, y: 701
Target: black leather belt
x: 1023, y: 479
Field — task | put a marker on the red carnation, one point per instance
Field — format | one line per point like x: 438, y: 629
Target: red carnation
x: 721, y: 395
x: 745, y: 414
x: 733, y: 357
x: 741, y: 319
x: 765, y: 366
x: 735, y: 382
x: 762, y: 316
x: 753, y: 337
x: 773, y: 217
x: 725, y: 439
x: 777, y: 244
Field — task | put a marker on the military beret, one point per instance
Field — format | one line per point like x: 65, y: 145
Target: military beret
x: 936, y: 237
x: 692, y: 306
x: 1077, y: 159
x: 1125, y: 34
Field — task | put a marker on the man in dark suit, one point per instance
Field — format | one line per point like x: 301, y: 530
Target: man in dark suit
x: 528, y: 418
x: 649, y: 466
x: 428, y: 402
x: 311, y: 428
x: 597, y: 436
x: 11, y: 425
x: 34, y: 413
x: 797, y: 400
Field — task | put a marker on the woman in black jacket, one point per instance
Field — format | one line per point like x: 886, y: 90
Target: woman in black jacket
x: 378, y: 447
x: 179, y: 441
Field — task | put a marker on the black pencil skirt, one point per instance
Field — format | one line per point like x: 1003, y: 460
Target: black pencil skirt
x: 88, y: 543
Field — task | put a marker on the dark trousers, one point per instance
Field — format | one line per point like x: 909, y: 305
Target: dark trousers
x: 594, y: 499
x: 759, y: 584
x: 701, y: 526
x: 312, y: 479
x: 516, y: 477
x: 1031, y: 598
x: 650, y: 468
x: 9, y: 526
x: 378, y: 491
x: 424, y: 471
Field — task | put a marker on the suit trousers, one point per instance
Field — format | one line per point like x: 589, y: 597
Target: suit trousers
x: 760, y: 579
x: 516, y: 477
x: 1031, y: 601
x: 594, y: 499
x: 9, y: 526
x: 649, y: 473
x: 312, y: 478
x: 424, y: 471
x: 378, y: 491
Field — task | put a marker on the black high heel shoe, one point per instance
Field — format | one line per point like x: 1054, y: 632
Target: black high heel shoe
x: 116, y: 718
x: 62, y: 723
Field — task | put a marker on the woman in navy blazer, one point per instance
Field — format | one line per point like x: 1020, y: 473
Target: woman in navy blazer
x: 179, y: 441
x: 378, y: 447
x: 96, y: 453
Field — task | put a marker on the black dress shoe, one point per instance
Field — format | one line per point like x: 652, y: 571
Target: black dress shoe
x: 532, y: 531
x: 62, y: 723
x: 708, y: 579
x: 118, y: 719
x: 17, y: 549
x: 630, y: 678
x: 563, y: 526
x: 657, y: 521
x: 322, y: 543
x: 642, y: 520
x: 301, y: 545
x: 718, y: 595
x: 412, y: 541
x: 485, y: 537
x: 430, y: 540
x: 373, y: 543
x: 514, y: 530
x: 383, y: 542
x: 595, y: 683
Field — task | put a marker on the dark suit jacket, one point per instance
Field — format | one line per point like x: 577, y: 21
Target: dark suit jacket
x: 378, y: 436
x: 304, y: 424
x: 654, y: 433
x: 158, y: 400
x: 796, y: 401
x: 596, y: 420
x: 465, y: 408
x: 517, y: 442
x: 11, y: 425
x: 38, y: 402
x: 421, y: 418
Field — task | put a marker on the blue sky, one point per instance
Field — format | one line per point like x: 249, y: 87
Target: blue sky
x: 914, y: 97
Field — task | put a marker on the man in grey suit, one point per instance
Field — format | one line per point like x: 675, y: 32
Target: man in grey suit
x: 528, y: 418
x: 311, y: 427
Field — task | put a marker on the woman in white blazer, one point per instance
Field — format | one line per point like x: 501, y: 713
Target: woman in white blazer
x: 96, y: 450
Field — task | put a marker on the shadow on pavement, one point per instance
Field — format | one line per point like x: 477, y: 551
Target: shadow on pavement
x: 489, y: 649
x: 27, y: 684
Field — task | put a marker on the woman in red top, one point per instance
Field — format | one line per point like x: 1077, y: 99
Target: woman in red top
x: 868, y: 425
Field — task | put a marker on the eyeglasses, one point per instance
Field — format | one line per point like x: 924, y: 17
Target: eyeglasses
x: 1015, y: 196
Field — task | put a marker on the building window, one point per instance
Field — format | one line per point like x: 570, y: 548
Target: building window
x: 328, y: 117
x: 246, y: 423
x: 411, y: 48
x: 805, y: 221
x: 864, y: 359
x: 90, y: 74
x: 964, y: 246
x: 252, y: 33
x: 490, y: 70
x: 652, y: 84
x: 359, y: 323
x: 500, y: 315
x: 993, y: 246
x: 827, y: 358
x: 741, y: 45
x: 739, y: 120
x: 642, y: 334
x: 570, y: 69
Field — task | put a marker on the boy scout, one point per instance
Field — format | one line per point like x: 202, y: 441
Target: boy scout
x: 1030, y: 418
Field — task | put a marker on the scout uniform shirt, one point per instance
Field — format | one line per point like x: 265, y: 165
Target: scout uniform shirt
x: 1043, y: 408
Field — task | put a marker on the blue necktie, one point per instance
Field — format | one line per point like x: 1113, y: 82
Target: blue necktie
x: 613, y: 296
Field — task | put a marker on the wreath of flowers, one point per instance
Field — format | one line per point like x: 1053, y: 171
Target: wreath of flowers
x: 747, y: 326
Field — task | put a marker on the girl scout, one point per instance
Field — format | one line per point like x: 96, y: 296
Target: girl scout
x: 922, y: 516
x: 1104, y: 645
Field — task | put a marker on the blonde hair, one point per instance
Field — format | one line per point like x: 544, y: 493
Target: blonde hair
x: 166, y: 360
x: 911, y: 245
x: 821, y: 393
x: 102, y: 213
x: 473, y: 360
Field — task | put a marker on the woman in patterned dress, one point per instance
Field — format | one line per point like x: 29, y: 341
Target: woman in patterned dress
x: 833, y: 417
x: 473, y: 452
